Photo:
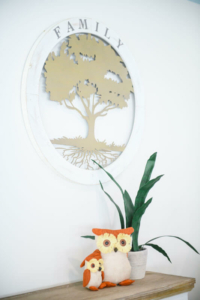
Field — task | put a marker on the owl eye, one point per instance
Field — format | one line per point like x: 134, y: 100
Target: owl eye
x: 101, y: 261
x: 92, y: 265
x: 122, y: 242
x: 106, y: 243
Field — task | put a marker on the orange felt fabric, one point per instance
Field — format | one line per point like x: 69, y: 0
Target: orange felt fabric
x: 98, y: 231
x: 102, y: 285
x: 126, y: 282
x: 96, y: 254
x: 86, y: 277
x: 93, y: 288
x: 102, y: 275
x: 109, y: 284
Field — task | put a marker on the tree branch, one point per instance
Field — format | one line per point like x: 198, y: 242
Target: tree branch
x: 94, y: 105
x: 88, y: 102
x: 105, y: 114
x: 113, y: 107
x: 107, y: 108
x: 87, y: 109
x: 73, y: 107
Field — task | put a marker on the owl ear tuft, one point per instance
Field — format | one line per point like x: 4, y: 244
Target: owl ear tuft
x: 82, y: 264
x: 96, y: 254
x: 98, y: 231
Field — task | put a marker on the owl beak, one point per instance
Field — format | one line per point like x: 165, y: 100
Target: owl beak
x: 99, y: 268
x: 115, y: 249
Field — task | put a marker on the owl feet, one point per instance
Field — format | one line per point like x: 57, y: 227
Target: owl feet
x: 126, y: 282
x: 93, y: 288
x: 102, y: 285
x: 109, y: 284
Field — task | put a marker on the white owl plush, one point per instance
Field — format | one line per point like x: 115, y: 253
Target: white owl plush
x: 94, y: 271
x: 114, y: 246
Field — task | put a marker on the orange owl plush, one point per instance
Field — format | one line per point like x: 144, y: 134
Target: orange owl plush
x: 94, y: 271
x: 114, y: 246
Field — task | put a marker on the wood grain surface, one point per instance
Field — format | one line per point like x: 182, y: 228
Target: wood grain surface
x: 153, y: 286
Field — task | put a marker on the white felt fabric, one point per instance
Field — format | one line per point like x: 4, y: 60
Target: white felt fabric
x: 95, y: 279
x: 116, y: 267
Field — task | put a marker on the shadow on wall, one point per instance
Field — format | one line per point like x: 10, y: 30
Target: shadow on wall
x: 195, y: 1
x: 74, y: 271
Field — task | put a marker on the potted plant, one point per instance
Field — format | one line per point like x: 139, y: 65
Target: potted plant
x: 133, y: 214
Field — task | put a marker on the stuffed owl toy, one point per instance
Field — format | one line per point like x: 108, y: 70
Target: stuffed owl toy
x: 114, y: 246
x: 94, y: 271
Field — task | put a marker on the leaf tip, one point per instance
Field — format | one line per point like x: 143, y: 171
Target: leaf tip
x: 153, y: 156
x: 101, y: 185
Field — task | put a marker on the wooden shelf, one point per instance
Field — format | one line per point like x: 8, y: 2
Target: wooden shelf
x: 153, y: 286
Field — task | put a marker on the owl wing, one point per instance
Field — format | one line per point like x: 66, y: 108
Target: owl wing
x: 102, y: 275
x: 86, y: 277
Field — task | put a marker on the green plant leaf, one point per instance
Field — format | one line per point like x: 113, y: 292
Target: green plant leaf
x: 92, y: 237
x: 148, y: 169
x: 159, y: 249
x: 117, y: 207
x: 136, y: 223
x: 129, y: 208
x: 187, y: 243
x: 111, y: 177
x: 143, y: 191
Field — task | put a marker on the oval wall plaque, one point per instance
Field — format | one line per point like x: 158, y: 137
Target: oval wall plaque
x: 82, y: 100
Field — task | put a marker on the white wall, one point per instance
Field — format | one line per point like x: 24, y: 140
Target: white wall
x: 43, y: 215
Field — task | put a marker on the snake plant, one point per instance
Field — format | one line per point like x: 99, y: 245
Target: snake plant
x: 135, y: 211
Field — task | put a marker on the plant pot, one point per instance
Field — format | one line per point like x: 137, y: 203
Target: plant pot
x: 138, y: 262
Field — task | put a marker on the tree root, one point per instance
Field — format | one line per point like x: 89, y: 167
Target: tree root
x: 82, y: 158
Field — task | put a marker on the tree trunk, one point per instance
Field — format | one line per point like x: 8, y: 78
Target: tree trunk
x: 91, y: 124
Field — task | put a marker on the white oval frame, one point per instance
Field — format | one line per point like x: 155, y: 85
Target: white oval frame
x: 30, y: 105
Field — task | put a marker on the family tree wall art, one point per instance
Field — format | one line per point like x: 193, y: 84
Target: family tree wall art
x: 67, y: 78
x: 82, y: 100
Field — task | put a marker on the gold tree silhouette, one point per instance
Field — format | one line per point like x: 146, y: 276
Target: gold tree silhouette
x: 84, y: 76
